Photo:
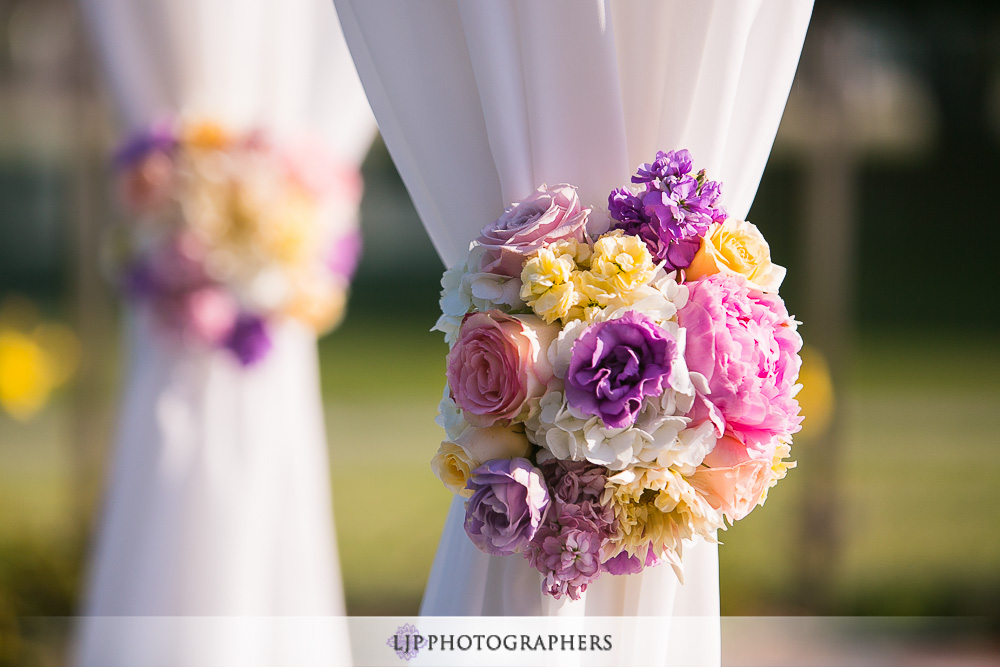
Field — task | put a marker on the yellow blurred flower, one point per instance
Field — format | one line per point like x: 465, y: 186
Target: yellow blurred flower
x: 33, y: 363
x: 205, y: 135
x: 287, y: 232
x: 316, y: 302
x: 816, y: 397
x: 623, y: 261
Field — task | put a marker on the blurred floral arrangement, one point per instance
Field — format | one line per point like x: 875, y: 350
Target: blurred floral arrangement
x: 618, y: 381
x: 229, y: 233
x: 36, y: 357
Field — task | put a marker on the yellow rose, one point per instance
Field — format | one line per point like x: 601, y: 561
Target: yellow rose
x: 623, y: 261
x: 455, y: 460
x: 737, y: 248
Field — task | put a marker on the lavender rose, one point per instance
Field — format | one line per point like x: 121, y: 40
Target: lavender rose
x: 508, y: 504
x: 546, y: 216
x: 614, y: 365
x: 499, y: 365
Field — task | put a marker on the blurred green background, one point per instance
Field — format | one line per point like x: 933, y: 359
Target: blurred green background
x: 880, y: 198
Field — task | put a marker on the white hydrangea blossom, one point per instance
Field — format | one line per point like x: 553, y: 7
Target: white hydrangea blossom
x: 463, y: 291
x: 660, y: 434
x: 450, y: 416
x: 455, y: 303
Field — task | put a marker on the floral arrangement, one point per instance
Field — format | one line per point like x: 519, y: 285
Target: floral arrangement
x: 618, y: 381
x: 230, y: 232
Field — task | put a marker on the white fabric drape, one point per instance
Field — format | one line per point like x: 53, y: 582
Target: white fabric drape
x: 218, y: 498
x: 481, y: 102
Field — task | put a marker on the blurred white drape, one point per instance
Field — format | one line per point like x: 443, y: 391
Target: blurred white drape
x: 480, y: 102
x: 218, y: 498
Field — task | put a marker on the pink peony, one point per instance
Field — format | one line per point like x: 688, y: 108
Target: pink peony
x: 745, y: 345
x: 735, y: 480
x: 499, y: 363
x: 545, y: 216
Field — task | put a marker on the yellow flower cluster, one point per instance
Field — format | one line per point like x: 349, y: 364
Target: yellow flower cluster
x: 243, y: 201
x: 656, y: 509
x: 569, y: 280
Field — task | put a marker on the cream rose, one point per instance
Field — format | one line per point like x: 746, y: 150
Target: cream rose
x: 456, y: 459
x: 737, y: 248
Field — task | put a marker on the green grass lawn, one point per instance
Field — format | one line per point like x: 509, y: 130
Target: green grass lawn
x: 918, y: 482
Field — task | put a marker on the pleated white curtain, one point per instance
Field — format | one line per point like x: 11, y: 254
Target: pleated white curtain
x: 218, y: 498
x: 481, y: 102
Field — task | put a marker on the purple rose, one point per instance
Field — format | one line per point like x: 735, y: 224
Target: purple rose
x: 546, y: 216
x: 675, y: 210
x: 614, y: 365
x: 249, y: 339
x: 507, y: 506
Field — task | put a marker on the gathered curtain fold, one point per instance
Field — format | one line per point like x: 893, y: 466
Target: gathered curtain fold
x: 481, y: 102
x: 218, y: 497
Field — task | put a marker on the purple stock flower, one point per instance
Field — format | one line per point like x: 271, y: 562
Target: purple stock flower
x: 508, y: 504
x: 672, y: 163
x: 614, y: 365
x: 624, y: 563
x: 249, y: 339
x: 673, y: 213
x: 568, y: 551
x: 567, y: 547
x: 627, y: 208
